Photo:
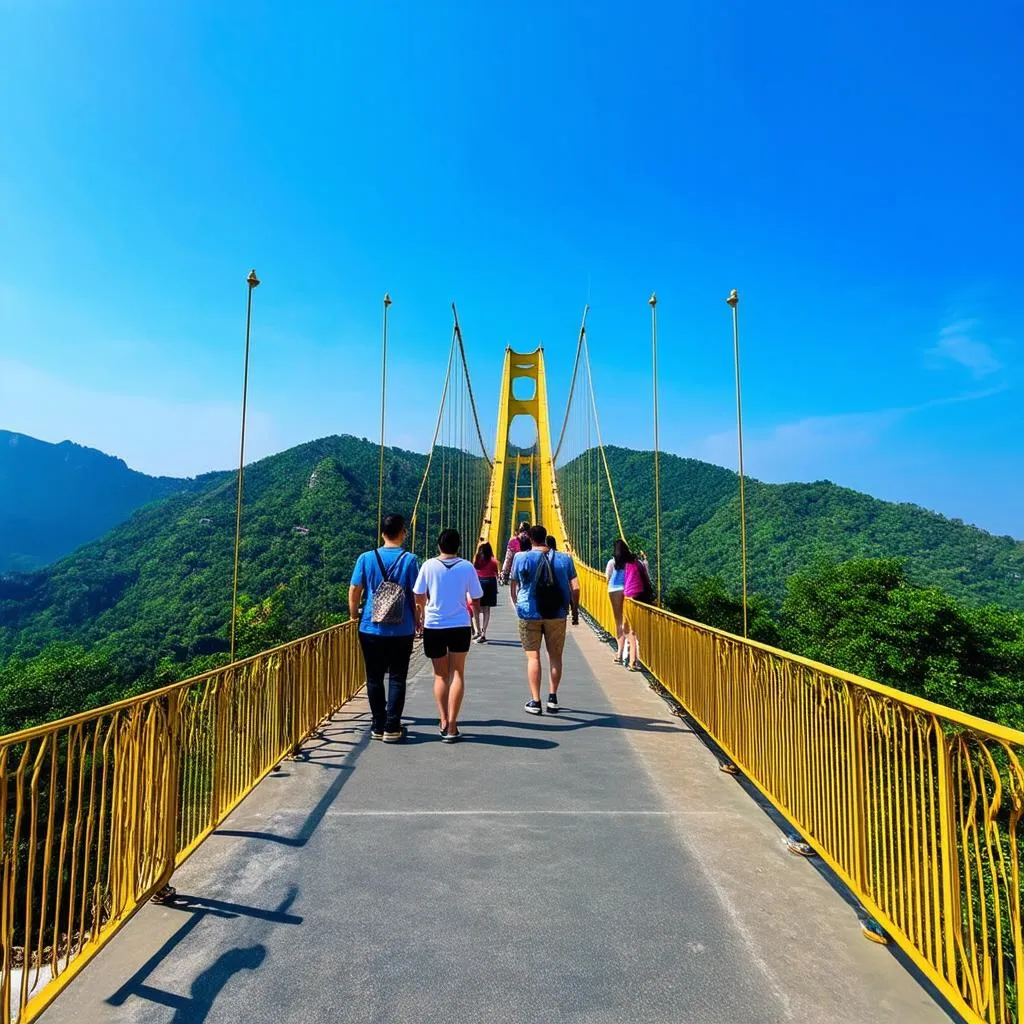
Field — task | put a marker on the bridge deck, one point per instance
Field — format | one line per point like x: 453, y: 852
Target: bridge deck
x: 592, y: 866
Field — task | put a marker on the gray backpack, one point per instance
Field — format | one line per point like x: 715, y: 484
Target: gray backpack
x: 389, y: 598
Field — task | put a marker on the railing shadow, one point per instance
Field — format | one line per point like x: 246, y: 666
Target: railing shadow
x: 208, y: 984
x: 314, y: 752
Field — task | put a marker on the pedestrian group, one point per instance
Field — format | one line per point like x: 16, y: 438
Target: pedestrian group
x: 448, y: 600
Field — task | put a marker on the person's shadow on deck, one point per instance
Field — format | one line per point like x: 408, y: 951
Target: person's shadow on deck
x: 209, y: 983
x: 568, y: 720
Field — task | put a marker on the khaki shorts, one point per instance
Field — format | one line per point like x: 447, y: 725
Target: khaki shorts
x: 552, y: 630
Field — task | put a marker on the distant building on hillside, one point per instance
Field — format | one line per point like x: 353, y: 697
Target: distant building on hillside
x: 302, y: 531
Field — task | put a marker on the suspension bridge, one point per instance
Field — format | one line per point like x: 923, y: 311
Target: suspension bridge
x: 628, y: 859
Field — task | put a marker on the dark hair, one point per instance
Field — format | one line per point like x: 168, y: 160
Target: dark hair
x: 392, y: 525
x: 539, y: 535
x: 524, y: 526
x: 484, y: 555
x: 449, y: 542
x: 623, y: 554
x: 551, y: 543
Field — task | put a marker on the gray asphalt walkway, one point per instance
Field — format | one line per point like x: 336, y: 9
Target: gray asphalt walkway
x: 532, y: 873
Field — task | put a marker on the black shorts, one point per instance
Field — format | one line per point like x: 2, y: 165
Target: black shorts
x: 489, y: 584
x: 439, y: 643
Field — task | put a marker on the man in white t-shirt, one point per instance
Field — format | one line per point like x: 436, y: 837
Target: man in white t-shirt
x: 442, y: 588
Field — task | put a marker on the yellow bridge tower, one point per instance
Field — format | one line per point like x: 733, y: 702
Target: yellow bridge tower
x: 536, y: 498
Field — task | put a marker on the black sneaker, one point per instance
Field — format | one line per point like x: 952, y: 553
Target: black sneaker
x: 376, y: 734
x: 552, y: 704
x: 533, y: 707
x: 395, y: 736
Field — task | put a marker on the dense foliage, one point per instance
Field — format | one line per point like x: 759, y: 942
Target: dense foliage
x: 150, y: 602
x: 159, y: 586
x: 56, y: 497
x: 865, y: 617
x: 792, y: 526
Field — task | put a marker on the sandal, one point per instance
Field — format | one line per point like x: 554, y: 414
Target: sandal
x: 616, y: 660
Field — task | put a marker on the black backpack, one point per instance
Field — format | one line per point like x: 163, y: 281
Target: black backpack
x: 547, y: 592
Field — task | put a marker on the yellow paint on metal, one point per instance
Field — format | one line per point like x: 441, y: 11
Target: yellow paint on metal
x: 520, y: 365
x: 97, y: 810
x: 917, y: 807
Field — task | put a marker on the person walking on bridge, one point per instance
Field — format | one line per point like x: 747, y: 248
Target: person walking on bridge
x: 615, y: 572
x: 387, y: 624
x: 441, y: 590
x: 544, y: 590
x: 486, y: 566
x: 520, y: 541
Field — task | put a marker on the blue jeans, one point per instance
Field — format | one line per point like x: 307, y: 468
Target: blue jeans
x: 386, y: 655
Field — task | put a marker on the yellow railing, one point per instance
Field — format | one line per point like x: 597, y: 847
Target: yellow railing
x: 96, y: 811
x: 917, y: 807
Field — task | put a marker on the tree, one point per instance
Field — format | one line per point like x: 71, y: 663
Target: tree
x: 864, y: 617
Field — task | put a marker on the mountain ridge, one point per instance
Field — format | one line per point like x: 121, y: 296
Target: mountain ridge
x: 54, y: 497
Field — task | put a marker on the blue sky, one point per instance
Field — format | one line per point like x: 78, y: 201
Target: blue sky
x: 853, y: 168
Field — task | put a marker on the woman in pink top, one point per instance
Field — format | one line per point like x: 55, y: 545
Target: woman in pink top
x: 637, y: 587
x: 486, y: 566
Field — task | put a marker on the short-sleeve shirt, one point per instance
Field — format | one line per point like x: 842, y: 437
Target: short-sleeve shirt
x: 487, y: 571
x: 447, y: 582
x: 616, y: 577
x: 524, y: 572
x: 367, y: 574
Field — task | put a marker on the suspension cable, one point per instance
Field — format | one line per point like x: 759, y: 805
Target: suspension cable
x: 437, y: 430
x: 469, y: 387
x: 600, y: 442
x: 383, y: 395
x: 572, y: 385
x: 653, y: 302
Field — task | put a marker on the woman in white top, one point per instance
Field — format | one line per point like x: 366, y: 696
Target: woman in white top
x: 441, y: 590
x: 615, y: 572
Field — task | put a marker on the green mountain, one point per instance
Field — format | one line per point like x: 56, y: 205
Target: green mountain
x: 56, y: 497
x: 159, y: 585
x: 793, y: 526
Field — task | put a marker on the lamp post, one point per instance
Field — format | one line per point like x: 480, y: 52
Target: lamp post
x: 383, y: 394
x: 253, y: 282
x: 653, y: 303
x: 734, y: 301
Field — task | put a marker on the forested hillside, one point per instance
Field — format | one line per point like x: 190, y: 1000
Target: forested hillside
x: 793, y: 526
x: 56, y: 497
x: 890, y: 591
x: 159, y: 585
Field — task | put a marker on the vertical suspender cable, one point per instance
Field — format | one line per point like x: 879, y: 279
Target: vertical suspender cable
x: 383, y: 394
x: 653, y: 302
x: 433, y: 443
x: 597, y: 427
x: 253, y: 282
x: 734, y: 301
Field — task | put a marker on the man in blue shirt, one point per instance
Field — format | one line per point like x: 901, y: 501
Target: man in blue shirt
x: 532, y: 573
x: 387, y: 645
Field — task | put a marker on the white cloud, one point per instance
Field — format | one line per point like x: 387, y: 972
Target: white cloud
x: 797, y: 450
x: 959, y: 344
x: 155, y: 435
x: 810, y: 447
